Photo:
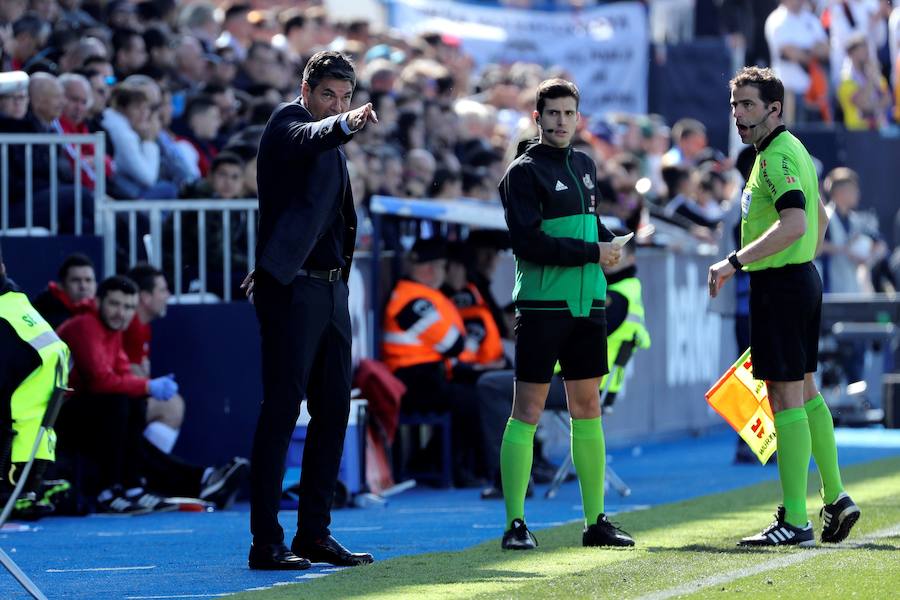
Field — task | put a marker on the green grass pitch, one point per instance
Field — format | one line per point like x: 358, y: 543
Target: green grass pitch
x: 684, y: 550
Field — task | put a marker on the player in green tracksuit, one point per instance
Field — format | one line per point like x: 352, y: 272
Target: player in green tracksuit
x: 783, y: 224
x: 549, y: 195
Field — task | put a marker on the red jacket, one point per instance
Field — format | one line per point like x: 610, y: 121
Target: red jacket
x: 87, y: 154
x: 101, y: 366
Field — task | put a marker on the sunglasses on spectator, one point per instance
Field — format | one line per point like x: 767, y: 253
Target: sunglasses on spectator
x: 111, y: 80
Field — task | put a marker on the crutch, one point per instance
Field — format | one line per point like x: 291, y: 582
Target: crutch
x: 50, y: 415
x: 622, y: 358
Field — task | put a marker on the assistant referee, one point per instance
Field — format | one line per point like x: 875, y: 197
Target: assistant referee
x: 783, y: 224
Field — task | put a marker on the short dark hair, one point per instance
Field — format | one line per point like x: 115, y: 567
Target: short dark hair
x: 292, y: 20
x: 116, y: 283
x: 328, y: 64
x: 144, y: 276
x: 198, y: 104
x: 550, y: 89
x: 31, y: 24
x: 238, y: 9
x: 73, y: 260
x: 763, y: 79
x: 225, y: 157
x: 121, y: 39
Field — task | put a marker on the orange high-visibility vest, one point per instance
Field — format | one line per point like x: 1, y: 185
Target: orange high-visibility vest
x: 421, y: 326
x: 483, y: 342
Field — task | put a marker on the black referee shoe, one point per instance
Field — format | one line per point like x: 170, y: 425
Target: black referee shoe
x: 838, y: 518
x: 604, y: 533
x: 782, y: 533
x: 517, y: 537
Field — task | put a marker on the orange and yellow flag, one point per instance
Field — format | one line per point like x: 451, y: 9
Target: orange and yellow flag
x: 744, y: 403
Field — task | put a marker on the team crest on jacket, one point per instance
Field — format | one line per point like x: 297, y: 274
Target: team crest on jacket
x: 588, y: 182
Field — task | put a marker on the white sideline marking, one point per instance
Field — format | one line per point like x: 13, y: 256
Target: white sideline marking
x: 373, y: 528
x: 777, y: 563
x: 142, y: 532
x: 179, y: 596
x: 312, y: 576
x: 95, y: 569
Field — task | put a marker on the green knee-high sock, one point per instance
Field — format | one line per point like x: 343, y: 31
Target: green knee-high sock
x: 589, y: 456
x: 516, y: 454
x: 792, y: 429
x: 824, y: 449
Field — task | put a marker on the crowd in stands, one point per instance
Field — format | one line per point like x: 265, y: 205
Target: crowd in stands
x: 183, y: 90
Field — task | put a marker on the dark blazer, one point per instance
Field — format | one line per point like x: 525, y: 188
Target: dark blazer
x: 303, y: 181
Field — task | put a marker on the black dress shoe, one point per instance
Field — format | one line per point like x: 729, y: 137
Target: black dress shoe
x: 275, y: 557
x: 329, y: 550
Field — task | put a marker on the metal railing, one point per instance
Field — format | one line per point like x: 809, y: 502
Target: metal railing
x: 149, y: 221
x: 72, y: 144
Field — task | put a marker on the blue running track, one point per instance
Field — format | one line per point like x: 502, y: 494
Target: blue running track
x: 203, y: 555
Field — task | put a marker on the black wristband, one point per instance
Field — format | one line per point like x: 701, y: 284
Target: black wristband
x: 733, y: 259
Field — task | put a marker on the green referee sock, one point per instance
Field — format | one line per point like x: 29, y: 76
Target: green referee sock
x: 792, y: 430
x: 589, y: 456
x: 516, y: 455
x: 824, y: 449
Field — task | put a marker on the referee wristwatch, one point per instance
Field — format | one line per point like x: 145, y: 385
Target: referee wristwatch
x: 733, y: 259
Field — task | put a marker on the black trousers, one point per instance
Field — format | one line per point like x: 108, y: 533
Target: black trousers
x: 108, y: 430
x: 305, y: 330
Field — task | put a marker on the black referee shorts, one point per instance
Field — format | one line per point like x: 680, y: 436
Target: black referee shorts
x: 785, y: 317
x: 579, y: 344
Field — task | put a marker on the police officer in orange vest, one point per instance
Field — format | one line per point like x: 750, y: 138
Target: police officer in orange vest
x: 483, y: 345
x: 424, y: 340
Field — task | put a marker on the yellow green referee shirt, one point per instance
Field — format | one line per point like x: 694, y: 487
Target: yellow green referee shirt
x: 783, y: 176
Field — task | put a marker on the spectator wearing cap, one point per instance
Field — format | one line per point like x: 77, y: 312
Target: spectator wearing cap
x: 863, y: 93
x: 223, y: 67
x: 13, y: 99
x: 237, y: 31
x: 30, y: 34
x: 76, y: 108
x: 46, y: 98
x: 424, y: 335
x: 129, y: 52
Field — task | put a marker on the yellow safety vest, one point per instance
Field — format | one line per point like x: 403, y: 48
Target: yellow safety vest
x: 632, y: 328
x: 30, y: 399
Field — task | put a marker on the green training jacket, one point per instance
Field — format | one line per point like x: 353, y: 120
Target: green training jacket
x: 550, y: 198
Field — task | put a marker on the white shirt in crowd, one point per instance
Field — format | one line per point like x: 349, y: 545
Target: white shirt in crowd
x: 803, y: 30
x: 865, y: 21
x: 136, y: 159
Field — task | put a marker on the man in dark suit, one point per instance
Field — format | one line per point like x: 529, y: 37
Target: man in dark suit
x: 307, y: 231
